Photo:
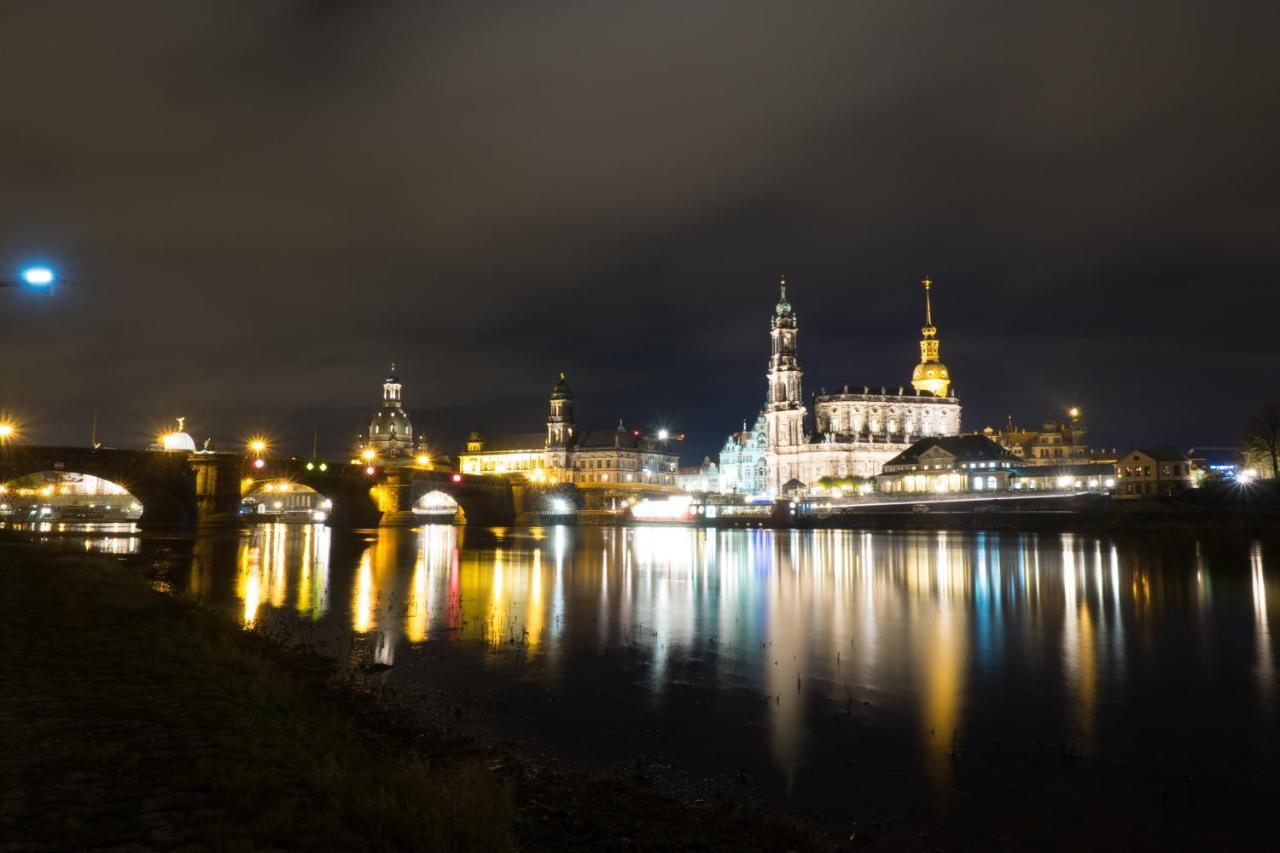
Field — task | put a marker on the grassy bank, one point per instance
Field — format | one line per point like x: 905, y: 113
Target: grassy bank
x: 127, y: 717
x: 132, y: 719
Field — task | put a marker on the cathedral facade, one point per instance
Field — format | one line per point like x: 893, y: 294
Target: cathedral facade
x: 856, y: 430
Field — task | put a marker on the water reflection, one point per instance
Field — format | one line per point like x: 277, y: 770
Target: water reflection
x: 800, y: 650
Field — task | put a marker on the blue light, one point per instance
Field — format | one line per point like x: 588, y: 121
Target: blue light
x: 38, y: 276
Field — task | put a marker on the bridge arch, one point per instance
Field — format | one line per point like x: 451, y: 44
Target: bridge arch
x: 284, y: 500
x: 164, y: 484
x: 67, y: 496
x: 347, y: 489
x: 438, y: 506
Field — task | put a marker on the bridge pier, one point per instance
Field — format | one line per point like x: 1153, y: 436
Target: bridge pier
x: 217, y: 488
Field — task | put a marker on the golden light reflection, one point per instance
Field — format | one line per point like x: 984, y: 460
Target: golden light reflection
x: 496, y: 618
x: 362, y: 602
x: 534, y: 609
x: 417, y: 615
x: 248, y: 583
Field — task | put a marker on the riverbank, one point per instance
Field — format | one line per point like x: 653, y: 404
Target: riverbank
x: 132, y: 719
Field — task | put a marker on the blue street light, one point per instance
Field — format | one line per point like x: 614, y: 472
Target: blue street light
x: 38, y: 276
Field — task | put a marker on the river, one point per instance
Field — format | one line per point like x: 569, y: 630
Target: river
x: 960, y: 685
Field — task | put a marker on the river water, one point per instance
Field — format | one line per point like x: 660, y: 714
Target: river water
x: 1045, y: 690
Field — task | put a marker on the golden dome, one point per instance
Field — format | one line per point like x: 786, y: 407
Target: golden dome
x: 931, y: 376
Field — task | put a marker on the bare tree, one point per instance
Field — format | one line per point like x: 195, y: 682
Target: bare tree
x: 1261, y: 438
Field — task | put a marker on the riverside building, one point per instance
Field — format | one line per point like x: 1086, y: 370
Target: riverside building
x: 608, y: 465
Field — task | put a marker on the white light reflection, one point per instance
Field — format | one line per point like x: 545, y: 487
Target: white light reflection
x: 1262, y: 634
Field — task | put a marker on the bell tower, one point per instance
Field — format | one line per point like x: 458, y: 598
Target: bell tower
x: 784, y: 410
x: 560, y: 415
x: 930, y: 374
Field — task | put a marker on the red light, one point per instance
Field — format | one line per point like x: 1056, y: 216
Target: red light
x: 635, y: 432
x: 258, y: 463
x: 457, y: 478
x: 370, y: 471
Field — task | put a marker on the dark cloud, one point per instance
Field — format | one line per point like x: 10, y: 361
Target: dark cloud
x: 265, y: 202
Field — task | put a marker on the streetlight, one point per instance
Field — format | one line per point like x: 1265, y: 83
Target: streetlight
x: 7, y: 431
x: 257, y: 446
x: 36, y: 277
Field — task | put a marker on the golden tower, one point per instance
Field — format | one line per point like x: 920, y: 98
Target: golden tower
x: 930, y: 374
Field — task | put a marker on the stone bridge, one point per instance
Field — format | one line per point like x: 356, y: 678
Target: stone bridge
x: 179, y: 489
x: 388, y: 495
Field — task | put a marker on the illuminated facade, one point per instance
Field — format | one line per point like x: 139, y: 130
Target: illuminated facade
x: 1053, y: 443
x: 743, y: 469
x: 704, y: 478
x: 1152, y: 472
x: 390, y: 431
x: 947, y: 465
x: 855, y: 431
x: 617, y: 459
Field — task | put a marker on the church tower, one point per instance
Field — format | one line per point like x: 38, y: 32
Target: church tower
x: 560, y: 438
x: 560, y: 416
x: 784, y: 411
x: 930, y: 374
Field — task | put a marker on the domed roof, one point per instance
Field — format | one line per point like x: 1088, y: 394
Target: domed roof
x: 932, y: 370
x: 931, y: 376
x: 561, y: 391
x: 385, y: 419
x: 178, y: 441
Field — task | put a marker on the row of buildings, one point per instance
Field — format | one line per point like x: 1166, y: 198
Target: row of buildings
x: 898, y: 441
x: 608, y: 465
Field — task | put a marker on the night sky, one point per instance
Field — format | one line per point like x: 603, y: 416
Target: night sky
x: 263, y: 204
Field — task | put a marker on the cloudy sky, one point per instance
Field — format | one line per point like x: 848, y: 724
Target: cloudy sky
x: 264, y: 203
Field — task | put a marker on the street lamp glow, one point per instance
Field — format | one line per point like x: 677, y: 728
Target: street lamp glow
x: 37, y: 276
x: 663, y: 435
x: 7, y: 430
x: 369, y: 454
x: 423, y: 460
x: 257, y: 446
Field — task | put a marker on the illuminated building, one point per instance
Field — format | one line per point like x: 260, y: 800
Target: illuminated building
x: 611, y: 463
x: 703, y: 478
x: 855, y: 431
x: 743, y: 468
x: 949, y: 464
x: 1152, y: 472
x: 1053, y: 443
x: 1066, y: 477
x: 390, y: 431
x: 1220, y: 462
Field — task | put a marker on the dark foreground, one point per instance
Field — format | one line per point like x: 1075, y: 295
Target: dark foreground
x: 133, y: 720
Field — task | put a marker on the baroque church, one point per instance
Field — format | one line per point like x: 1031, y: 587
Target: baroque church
x: 390, y: 430
x: 852, y: 432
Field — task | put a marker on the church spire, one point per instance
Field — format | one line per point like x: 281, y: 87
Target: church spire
x: 930, y: 374
x: 783, y: 308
